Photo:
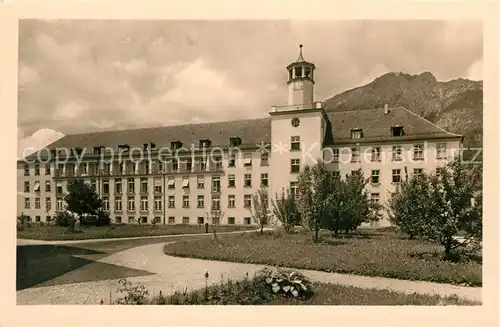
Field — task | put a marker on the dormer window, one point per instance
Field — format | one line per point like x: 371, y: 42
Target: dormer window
x: 98, y: 149
x: 145, y: 147
x: 77, y: 150
x: 356, y: 134
x: 175, y: 145
x: 152, y: 146
x: 234, y: 141
x: 397, y: 131
x: 205, y: 144
x: 123, y: 148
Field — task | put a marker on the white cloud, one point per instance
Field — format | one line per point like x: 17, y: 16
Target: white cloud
x: 37, y: 141
x: 69, y: 110
x: 475, y: 71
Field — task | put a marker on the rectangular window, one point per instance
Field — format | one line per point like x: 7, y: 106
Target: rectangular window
x: 105, y: 187
x: 230, y: 220
x: 105, y: 204
x: 203, y: 164
x: 201, y: 220
x: 264, y: 158
x: 418, y: 152
x: 37, y: 219
x: 26, y: 187
x: 118, y: 205
x: 185, y: 182
x: 200, y: 181
x: 336, y: 174
x: 47, y: 169
x: 247, y: 180
x: 131, y: 204
x: 37, y: 170
x: 189, y: 164
x: 215, y: 183
x: 375, y: 197
x: 131, y: 186
x: 37, y: 203
x: 185, y: 201
x: 397, y: 152
x: 48, y: 218
x: 84, y: 169
x: 144, y: 203
x: 171, y: 201
x: 247, y: 221
x: 375, y: 179
x: 59, y: 188
x: 144, y: 185
x: 231, y: 181
x: 26, y: 170
x: 107, y: 168
x: 59, y: 204
x: 175, y: 165
x: 354, y: 154
x: 247, y: 159
x: 335, y: 155
x: 47, y: 186
x: 158, y: 203
x: 231, y: 202
x: 264, y: 180
x: 171, y: 183
x: 118, y: 220
x: 231, y: 160
x: 216, y: 202
x: 48, y: 204
x: 171, y: 220
x: 36, y: 187
x: 441, y: 150
x: 144, y: 220
x: 247, y: 200
x: 158, y: 188
x: 201, y: 201
x: 439, y: 171
x: 396, y: 175
x: 295, y: 165
x: 294, y: 187
x: 118, y: 186
x: 376, y: 154
x: 185, y: 220
x: 418, y: 171
x: 295, y: 143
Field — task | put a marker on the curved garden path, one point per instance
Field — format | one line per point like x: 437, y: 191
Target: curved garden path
x: 170, y: 273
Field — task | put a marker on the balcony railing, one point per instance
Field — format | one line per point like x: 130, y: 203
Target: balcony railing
x: 314, y: 105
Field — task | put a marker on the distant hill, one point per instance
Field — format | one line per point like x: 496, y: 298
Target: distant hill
x: 456, y: 105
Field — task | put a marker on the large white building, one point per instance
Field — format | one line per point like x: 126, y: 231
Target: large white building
x: 177, y: 174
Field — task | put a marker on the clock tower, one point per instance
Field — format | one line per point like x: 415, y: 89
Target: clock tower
x: 300, y: 81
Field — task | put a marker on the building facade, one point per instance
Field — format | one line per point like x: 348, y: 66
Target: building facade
x: 191, y: 174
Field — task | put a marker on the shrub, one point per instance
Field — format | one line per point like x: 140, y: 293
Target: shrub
x: 103, y: 218
x: 65, y: 219
x: 284, y: 208
x: 132, y: 294
x: 286, y: 282
x: 22, y: 220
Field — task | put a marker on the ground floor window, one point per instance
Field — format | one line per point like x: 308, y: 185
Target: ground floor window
x: 201, y: 220
x: 144, y: 220
x: 185, y: 220
x: 158, y: 220
x: 118, y: 220
x: 171, y: 220
x: 49, y: 218
x: 246, y: 220
x: 37, y: 219
x: 230, y: 220
x: 131, y: 220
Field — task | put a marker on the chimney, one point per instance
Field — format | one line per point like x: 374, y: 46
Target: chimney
x: 386, y: 109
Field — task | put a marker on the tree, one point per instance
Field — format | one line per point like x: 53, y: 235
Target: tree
x: 22, y: 219
x: 260, y: 208
x: 214, y: 216
x: 285, y: 209
x: 82, y: 199
x: 409, y: 208
x: 315, y: 188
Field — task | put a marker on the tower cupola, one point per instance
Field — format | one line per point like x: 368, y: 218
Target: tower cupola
x: 300, y: 81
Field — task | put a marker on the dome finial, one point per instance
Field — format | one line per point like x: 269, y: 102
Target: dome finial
x: 301, y: 58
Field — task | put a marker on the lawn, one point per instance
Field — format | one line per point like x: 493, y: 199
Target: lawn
x: 50, y: 233
x: 247, y: 293
x: 385, y: 254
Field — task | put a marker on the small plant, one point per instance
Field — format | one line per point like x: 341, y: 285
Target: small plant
x: 286, y: 282
x: 133, y: 294
x: 22, y: 219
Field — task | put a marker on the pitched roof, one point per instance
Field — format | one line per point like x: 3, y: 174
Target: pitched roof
x: 376, y: 126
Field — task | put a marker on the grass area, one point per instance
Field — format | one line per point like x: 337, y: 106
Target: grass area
x: 385, y: 254
x: 52, y: 233
x: 249, y: 293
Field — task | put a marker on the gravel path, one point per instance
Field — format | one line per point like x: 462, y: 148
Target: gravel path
x: 173, y: 273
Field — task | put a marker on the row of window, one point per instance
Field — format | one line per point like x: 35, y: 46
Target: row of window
x: 159, y: 166
x: 216, y: 185
x: 397, y: 153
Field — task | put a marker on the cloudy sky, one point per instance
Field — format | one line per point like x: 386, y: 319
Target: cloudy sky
x: 79, y: 76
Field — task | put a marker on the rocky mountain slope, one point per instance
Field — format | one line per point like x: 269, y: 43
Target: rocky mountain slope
x: 456, y: 105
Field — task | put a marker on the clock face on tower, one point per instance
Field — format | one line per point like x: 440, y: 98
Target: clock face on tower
x: 298, y: 85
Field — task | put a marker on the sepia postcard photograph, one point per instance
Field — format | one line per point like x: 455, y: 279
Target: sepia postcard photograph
x: 263, y: 162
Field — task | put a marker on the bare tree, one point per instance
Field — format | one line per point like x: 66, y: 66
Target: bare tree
x: 259, y: 208
x: 214, y: 217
